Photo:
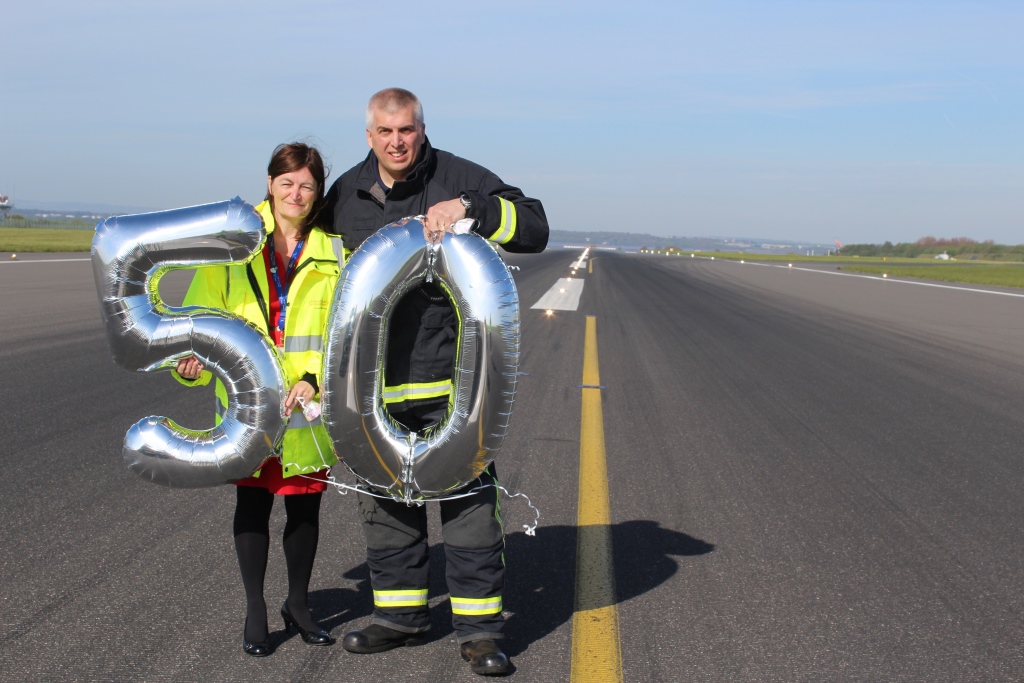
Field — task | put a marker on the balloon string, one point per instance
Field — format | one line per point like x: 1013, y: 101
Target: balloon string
x: 343, y: 488
x: 530, y: 530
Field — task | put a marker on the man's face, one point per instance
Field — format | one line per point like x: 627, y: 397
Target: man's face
x: 395, y: 139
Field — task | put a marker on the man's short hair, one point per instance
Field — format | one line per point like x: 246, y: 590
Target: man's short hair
x: 391, y: 100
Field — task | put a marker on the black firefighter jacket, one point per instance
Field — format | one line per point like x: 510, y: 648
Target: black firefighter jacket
x: 422, y: 336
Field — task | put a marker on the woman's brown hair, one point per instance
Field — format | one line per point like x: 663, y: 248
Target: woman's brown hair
x: 295, y: 156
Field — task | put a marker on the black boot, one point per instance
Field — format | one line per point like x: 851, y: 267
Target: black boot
x: 378, y: 638
x: 485, y: 657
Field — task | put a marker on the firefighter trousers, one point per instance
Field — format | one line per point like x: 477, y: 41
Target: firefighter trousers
x: 397, y: 554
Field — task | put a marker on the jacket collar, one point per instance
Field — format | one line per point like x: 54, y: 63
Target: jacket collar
x: 318, y: 243
x: 414, y: 183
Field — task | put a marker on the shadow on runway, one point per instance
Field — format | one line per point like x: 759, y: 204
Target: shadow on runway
x: 540, y: 586
x: 540, y: 583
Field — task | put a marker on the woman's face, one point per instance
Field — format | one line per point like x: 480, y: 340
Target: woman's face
x: 293, y: 193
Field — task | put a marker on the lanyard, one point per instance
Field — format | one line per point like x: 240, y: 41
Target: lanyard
x: 282, y: 293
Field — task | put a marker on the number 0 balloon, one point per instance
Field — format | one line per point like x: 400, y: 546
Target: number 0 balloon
x: 129, y: 255
x: 377, y: 449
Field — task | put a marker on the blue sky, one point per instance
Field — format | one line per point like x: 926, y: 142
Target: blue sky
x: 810, y: 121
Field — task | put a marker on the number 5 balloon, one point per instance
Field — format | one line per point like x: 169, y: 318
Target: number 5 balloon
x: 129, y: 256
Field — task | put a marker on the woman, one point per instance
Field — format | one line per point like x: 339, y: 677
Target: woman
x: 286, y: 293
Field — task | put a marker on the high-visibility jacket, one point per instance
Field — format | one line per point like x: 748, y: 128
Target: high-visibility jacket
x: 243, y: 289
x: 423, y: 327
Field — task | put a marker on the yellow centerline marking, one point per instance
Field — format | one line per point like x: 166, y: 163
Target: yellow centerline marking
x: 596, y: 652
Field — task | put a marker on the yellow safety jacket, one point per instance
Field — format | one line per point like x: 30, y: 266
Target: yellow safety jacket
x: 243, y: 289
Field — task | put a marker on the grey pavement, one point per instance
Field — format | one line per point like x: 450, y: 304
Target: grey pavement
x: 811, y: 478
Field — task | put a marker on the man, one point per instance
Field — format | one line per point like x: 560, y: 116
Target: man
x: 403, y: 175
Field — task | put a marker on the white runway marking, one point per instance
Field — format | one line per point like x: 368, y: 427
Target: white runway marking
x: 873, y: 277
x: 564, y: 295
x: 47, y: 260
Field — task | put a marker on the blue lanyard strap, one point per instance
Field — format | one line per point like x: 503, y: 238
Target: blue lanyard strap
x: 282, y: 293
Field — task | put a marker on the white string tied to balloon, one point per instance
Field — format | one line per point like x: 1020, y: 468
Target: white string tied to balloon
x: 311, y: 411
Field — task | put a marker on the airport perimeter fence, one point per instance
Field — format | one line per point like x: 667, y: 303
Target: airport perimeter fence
x: 48, y: 223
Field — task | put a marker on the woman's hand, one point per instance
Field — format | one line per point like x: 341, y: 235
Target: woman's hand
x: 190, y: 368
x: 302, y: 389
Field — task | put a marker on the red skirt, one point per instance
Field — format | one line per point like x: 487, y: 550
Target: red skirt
x: 272, y: 479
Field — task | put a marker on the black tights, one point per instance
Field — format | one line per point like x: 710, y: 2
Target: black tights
x: 252, y: 544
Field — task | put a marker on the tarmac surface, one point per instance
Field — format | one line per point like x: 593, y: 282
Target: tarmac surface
x: 811, y: 478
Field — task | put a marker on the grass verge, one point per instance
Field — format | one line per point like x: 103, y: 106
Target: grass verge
x: 786, y: 258
x: 980, y: 274
x: 20, y: 240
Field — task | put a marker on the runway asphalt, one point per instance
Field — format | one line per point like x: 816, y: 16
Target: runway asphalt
x: 811, y: 478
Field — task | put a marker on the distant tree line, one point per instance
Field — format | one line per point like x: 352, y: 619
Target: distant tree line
x: 962, y: 248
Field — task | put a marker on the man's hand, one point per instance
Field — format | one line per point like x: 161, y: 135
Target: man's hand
x: 301, y: 389
x: 190, y: 368
x: 441, y: 217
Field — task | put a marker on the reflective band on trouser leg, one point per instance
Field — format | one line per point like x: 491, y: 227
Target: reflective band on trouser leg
x: 507, y: 228
x: 476, y: 606
x: 412, y: 392
x: 403, y: 598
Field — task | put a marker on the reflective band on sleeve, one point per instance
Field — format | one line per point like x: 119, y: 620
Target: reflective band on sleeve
x: 339, y: 249
x: 303, y: 342
x: 411, y: 392
x: 403, y: 598
x: 507, y: 229
x: 471, y: 606
x: 298, y: 420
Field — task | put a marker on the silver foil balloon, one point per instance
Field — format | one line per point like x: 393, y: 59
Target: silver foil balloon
x: 129, y: 256
x: 377, y: 449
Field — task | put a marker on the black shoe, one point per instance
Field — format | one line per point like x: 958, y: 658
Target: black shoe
x: 260, y: 649
x: 485, y: 657
x: 256, y: 649
x: 317, y: 637
x: 378, y: 638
